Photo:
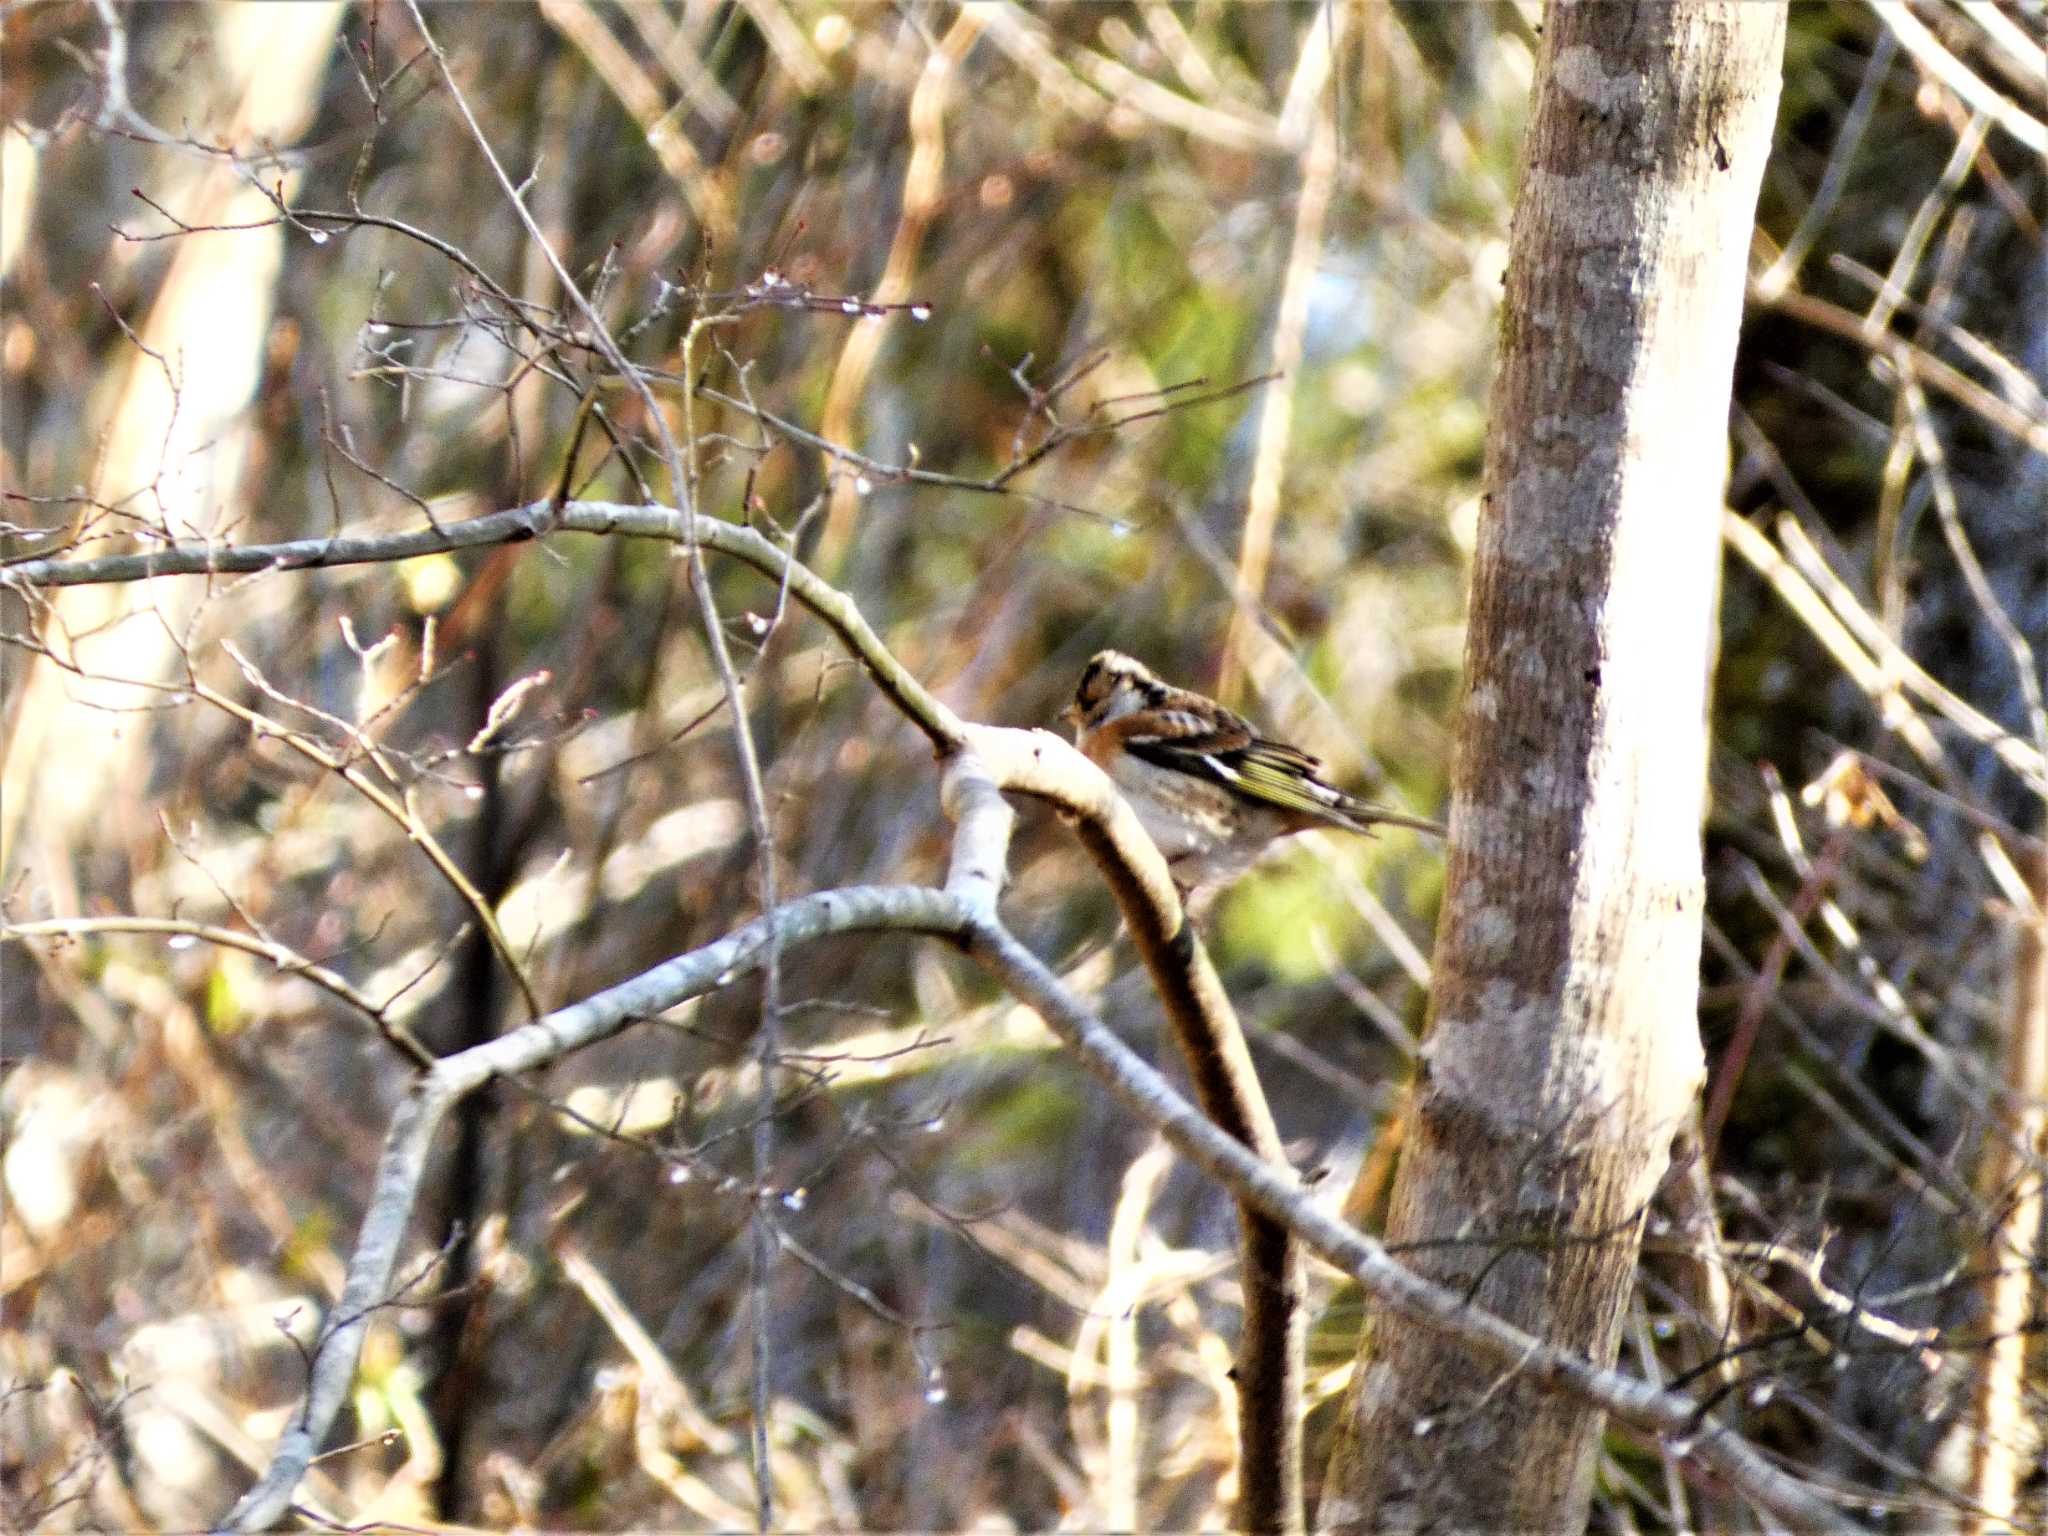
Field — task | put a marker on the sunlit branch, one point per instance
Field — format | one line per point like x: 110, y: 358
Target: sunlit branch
x: 965, y: 913
x: 534, y: 520
x: 288, y: 961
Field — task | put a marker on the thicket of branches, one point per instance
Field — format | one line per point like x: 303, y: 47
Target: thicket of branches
x: 1029, y: 331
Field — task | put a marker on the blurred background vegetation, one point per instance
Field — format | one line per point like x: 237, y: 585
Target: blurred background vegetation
x: 1088, y: 213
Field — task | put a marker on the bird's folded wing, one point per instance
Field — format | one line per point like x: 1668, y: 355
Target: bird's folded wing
x: 1221, y: 748
x: 1280, y: 775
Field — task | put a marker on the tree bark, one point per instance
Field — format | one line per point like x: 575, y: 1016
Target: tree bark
x: 1562, y: 1050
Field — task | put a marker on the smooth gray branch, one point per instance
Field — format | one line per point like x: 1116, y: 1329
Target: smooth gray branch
x: 963, y: 913
x: 374, y: 1262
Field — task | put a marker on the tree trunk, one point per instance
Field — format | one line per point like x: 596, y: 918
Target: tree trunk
x: 1562, y: 1050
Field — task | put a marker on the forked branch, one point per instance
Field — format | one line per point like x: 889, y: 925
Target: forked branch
x: 1234, y: 1140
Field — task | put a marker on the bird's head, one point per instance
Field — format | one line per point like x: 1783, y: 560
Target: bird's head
x: 1112, y: 685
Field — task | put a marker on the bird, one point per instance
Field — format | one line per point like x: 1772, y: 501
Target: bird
x: 1208, y: 788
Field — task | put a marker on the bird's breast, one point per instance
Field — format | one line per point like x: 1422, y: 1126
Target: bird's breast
x: 1183, y: 814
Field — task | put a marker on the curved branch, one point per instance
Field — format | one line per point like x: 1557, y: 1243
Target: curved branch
x: 1271, y: 1366
x: 289, y: 961
x: 1679, y: 1421
x: 1271, y: 1356
x: 1035, y: 762
x: 402, y: 1166
x: 1031, y: 762
x: 965, y: 913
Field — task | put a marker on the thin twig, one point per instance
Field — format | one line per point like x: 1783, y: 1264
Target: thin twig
x: 683, y: 485
x: 285, y: 959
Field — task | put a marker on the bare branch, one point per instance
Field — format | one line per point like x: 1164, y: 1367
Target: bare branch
x: 534, y: 520
x: 1271, y: 1369
x: 403, y: 1166
x: 963, y: 913
x: 285, y: 959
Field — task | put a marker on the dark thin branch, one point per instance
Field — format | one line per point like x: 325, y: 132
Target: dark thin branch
x: 1271, y: 1358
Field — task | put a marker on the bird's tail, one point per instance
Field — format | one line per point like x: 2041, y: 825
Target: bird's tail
x: 1366, y: 816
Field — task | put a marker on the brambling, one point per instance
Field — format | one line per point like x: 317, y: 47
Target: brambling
x: 1211, y: 791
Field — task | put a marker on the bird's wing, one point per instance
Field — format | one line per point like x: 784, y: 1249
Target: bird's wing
x: 1221, y: 747
x: 1282, y: 776
x: 1176, y: 737
x: 1216, y: 745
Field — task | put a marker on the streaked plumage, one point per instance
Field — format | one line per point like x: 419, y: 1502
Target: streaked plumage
x: 1210, y: 790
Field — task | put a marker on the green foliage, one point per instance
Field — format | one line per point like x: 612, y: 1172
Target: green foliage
x: 1018, y: 1121
x: 1288, y: 919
